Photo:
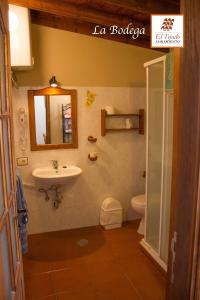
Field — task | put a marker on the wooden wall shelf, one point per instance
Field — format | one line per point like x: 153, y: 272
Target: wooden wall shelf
x: 140, y: 117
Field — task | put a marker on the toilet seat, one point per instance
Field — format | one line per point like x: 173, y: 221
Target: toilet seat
x: 138, y: 201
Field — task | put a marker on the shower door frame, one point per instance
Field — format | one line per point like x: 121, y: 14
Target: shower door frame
x: 155, y: 255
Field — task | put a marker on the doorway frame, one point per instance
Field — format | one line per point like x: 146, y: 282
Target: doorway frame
x: 184, y: 223
x: 9, y: 215
x: 186, y: 161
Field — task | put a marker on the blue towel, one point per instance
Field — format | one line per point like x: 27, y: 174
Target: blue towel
x: 22, y: 213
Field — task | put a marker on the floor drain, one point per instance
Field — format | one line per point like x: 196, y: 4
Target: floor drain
x: 82, y: 242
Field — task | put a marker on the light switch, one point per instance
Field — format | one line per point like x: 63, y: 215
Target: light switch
x: 22, y: 161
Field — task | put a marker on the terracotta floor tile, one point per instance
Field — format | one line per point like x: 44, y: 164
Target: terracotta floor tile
x: 63, y: 246
x: 70, y: 280
x: 126, y: 254
x: 67, y: 264
x: 117, y: 290
x: 100, y: 254
x: 53, y: 297
x: 109, y: 266
x: 144, y: 276
x: 38, y: 285
x: 119, y: 234
x: 50, y: 298
x: 104, y: 272
x: 78, y: 295
x: 75, y: 232
x: 34, y: 266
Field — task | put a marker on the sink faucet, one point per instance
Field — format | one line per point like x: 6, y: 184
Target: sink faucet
x: 55, y: 164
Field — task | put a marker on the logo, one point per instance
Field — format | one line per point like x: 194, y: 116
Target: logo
x: 167, y: 24
x: 167, y: 31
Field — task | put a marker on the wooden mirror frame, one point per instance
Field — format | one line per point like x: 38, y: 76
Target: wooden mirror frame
x: 48, y: 92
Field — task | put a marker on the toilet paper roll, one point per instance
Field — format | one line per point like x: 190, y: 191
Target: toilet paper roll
x: 110, y: 110
x: 93, y: 154
x: 129, y: 123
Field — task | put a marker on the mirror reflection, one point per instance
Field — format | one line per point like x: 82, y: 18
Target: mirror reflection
x: 53, y: 119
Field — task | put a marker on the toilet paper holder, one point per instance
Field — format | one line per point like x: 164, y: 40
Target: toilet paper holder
x: 92, y: 139
x: 92, y: 156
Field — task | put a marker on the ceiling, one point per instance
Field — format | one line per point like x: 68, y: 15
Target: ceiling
x: 82, y: 16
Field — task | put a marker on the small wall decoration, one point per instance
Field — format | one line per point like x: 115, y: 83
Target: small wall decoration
x: 90, y: 98
x: 22, y: 118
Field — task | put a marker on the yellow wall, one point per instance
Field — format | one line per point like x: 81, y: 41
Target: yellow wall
x: 82, y: 60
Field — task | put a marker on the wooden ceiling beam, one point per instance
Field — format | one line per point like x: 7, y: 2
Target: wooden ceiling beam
x: 87, y: 14
x: 144, y: 6
x: 78, y: 26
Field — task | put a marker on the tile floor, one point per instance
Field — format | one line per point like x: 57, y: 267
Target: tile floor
x: 91, y: 264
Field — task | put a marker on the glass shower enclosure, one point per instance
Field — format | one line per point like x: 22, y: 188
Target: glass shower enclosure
x: 159, y: 137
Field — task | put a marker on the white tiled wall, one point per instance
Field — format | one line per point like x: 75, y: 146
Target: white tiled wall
x: 117, y: 172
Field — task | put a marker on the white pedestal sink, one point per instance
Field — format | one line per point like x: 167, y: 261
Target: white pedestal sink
x: 58, y: 176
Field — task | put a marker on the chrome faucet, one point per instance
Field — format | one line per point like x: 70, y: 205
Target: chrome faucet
x: 55, y: 164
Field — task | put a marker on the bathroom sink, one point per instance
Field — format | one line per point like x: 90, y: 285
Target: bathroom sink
x: 56, y: 176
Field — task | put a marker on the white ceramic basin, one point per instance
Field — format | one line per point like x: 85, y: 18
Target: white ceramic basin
x: 56, y: 176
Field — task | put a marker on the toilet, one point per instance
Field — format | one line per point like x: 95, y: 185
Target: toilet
x: 138, y: 205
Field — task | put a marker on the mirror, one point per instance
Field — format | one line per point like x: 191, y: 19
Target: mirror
x: 53, y: 118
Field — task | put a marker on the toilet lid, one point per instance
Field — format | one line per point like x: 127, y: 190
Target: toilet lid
x: 139, y: 200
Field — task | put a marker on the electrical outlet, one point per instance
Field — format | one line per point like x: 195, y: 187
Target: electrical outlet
x: 22, y: 161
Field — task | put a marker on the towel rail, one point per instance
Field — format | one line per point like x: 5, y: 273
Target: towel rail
x: 21, y: 211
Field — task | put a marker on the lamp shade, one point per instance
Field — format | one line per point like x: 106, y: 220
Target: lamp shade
x: 53, y: 82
